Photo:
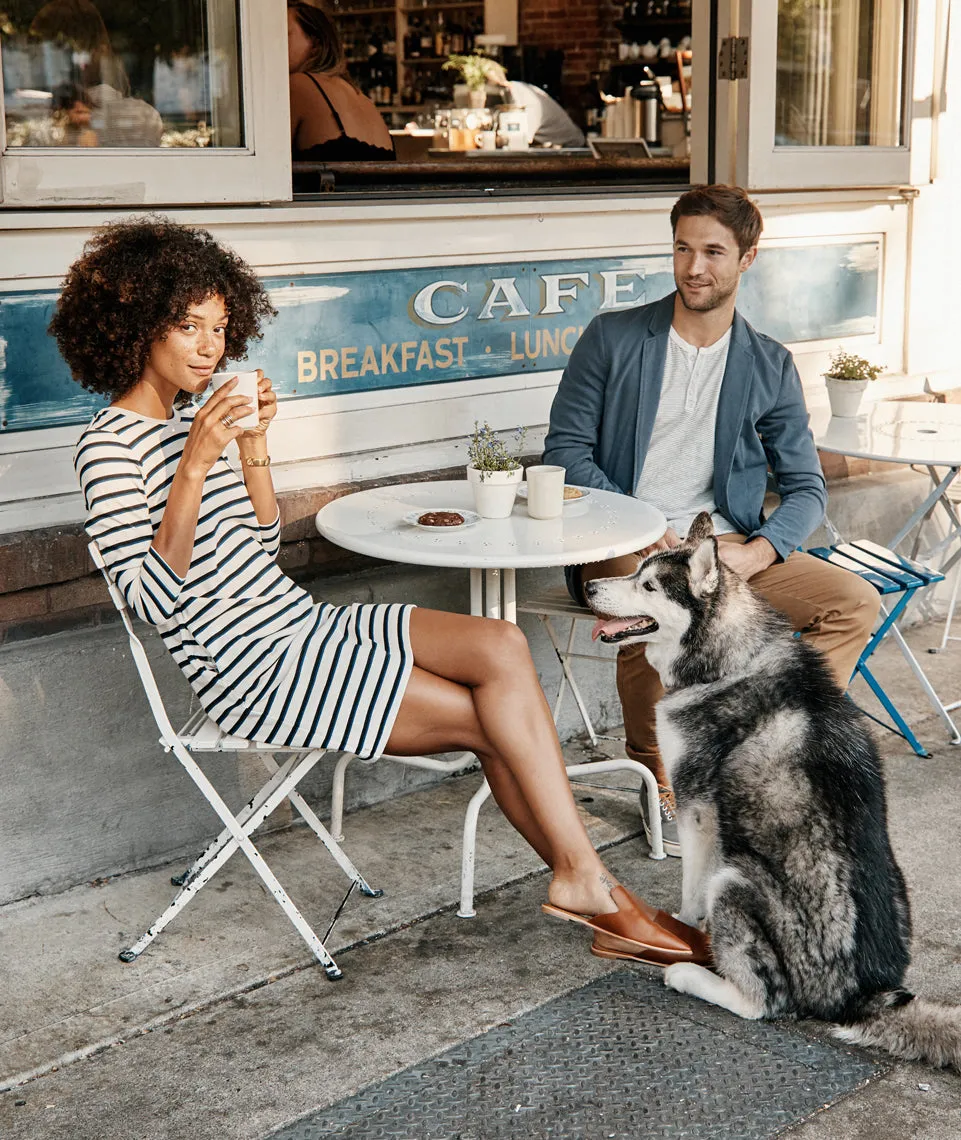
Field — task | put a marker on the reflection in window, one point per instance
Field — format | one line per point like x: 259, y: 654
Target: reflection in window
x: 839, y: 72
x: 118, y: 74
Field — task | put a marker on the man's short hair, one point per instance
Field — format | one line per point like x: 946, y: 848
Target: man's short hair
x: 729, y: 204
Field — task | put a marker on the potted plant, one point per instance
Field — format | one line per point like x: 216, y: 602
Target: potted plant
x: 846, y: 379
x: 474, y: 70
x: 493, y: 472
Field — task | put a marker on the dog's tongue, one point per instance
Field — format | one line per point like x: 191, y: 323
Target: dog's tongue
x: 610, y: 627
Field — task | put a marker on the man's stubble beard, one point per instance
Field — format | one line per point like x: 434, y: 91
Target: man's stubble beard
x: 713, y: 300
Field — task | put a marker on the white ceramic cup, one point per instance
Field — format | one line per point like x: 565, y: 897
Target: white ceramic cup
x: 246, y: 386
x: 545, y: 491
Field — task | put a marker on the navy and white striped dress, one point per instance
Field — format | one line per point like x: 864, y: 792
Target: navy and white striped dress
x: 267, y: 662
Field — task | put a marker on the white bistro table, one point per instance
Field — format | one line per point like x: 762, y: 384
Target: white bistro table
x: 922, y: 435
x: 600, y: 526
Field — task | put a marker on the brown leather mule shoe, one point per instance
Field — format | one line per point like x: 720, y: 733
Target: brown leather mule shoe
x: 637, y: 931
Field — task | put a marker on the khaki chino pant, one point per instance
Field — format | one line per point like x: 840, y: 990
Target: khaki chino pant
x: 833, y: 609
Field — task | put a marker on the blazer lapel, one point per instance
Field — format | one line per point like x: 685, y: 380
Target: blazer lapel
x: 732, y: 405
x: 653, y: 355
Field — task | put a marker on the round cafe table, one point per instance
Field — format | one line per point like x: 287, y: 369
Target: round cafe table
x: 601, y: 525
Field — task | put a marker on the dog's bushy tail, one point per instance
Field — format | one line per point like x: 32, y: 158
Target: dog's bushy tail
x: 911, y: 1029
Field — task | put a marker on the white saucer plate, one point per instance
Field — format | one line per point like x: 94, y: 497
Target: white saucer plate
x: 470, y: 518
x: 582, y: 498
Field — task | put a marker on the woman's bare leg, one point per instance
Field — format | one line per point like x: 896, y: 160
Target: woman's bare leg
x: 475, y: 686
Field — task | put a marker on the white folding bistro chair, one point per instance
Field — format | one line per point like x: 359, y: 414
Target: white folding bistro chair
x: 200, y: 734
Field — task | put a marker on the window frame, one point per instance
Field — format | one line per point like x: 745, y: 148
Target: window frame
x: 758, y: 164
x: 258, y: 172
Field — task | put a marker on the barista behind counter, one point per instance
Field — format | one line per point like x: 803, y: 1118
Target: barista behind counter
x: 548, y: 124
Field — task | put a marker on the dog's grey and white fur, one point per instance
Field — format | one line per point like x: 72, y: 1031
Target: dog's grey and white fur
x: 781, y: 810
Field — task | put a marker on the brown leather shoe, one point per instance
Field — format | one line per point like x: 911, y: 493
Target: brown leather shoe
x: 636, y: 928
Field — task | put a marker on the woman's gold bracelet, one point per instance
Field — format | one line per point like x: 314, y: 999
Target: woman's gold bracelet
x: 251, y: 462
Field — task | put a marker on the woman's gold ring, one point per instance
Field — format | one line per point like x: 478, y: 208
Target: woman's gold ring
x: 226, y: 421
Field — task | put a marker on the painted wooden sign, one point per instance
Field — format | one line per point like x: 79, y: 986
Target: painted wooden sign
x: 353, y: 332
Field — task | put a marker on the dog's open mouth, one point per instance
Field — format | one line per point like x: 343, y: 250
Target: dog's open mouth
x: 619, y: 628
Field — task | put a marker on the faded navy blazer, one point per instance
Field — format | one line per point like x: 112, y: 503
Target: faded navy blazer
x: 603, y: 415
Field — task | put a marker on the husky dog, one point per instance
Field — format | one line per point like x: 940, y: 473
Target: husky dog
x: 781, y: 810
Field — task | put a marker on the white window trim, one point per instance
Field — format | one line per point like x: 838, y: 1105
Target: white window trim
x: 758, y: 163
x: 258, y: 172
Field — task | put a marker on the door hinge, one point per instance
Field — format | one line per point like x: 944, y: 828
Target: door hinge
x: 732, y: 58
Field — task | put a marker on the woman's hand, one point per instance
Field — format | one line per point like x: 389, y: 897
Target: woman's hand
x: 213, y: 428
x: 267, y: 399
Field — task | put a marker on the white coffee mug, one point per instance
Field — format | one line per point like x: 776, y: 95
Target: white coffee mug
x: 246, y: 386
x: 545, y: 491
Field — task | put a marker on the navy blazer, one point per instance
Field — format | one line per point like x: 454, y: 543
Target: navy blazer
x: 604, y: 409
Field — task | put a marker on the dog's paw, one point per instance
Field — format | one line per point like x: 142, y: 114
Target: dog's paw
x: 695, y: 920
x: 682, y: 976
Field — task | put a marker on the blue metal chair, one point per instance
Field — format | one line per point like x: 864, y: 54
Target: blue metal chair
x: 889, y: 574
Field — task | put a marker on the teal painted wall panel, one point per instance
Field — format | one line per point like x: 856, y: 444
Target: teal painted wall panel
x: 349, y: 332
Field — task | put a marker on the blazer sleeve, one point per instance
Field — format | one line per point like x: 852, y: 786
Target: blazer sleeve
x: 578, y: 409
x: 790, y: 449
x: 118, y: 517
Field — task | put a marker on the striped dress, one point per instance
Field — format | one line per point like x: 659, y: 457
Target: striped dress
x: 267, y: 662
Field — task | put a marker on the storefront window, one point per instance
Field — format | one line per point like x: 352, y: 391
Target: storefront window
x: 839, y: 73
x: 498, y: 92
x: 118, y: 74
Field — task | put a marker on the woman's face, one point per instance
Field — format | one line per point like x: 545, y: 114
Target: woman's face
x: 299, y: 45
x: 186, y: 358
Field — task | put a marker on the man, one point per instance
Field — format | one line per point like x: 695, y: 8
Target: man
x: 683, y: 404
x: 548, y: 124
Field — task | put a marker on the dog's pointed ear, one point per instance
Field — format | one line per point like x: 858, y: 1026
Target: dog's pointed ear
x: 701, y: 528
x: 703, y: 567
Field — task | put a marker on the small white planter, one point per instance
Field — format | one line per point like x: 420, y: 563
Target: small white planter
x: 845, y: 395
x: 494, y: 494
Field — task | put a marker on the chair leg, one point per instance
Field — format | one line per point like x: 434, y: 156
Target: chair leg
x: 932, y: 696
x: 215, y: 848
x: 337, y: 797
x: 889, y: 707
x: 468, y: 851
x: 241, y: 839
x: 336, y: 852
x: 650, y: 789
x: 568, y: 677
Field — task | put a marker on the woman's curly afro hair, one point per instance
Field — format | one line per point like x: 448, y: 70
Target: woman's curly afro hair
x: 135, y: 281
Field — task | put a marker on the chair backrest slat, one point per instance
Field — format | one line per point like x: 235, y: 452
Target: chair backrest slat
x: 139, y: 654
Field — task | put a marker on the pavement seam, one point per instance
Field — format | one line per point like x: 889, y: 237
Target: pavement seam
x: 17, y: 1080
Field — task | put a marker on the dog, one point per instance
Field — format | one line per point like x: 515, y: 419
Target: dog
x: 781, y: 810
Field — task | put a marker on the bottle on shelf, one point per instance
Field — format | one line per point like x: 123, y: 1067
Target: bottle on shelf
x: 456, y: 36
x: 426, y: 39
x: 441, y: 40
x: 412, y: 39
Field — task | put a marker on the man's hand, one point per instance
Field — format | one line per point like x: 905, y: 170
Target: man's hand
x: 749, y: 558
x: 668, y: 540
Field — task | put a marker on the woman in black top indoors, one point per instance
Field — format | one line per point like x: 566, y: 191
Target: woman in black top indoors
x: 330, y: 119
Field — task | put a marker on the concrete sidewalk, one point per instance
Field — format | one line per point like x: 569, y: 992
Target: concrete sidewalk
x: 225, y: 1028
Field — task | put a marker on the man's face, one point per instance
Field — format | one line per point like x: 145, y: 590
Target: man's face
x: 707, y: 263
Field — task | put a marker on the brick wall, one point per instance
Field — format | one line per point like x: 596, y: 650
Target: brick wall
x: 583, y: 29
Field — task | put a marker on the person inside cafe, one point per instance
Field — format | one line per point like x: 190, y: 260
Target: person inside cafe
x: 117, y: 118
x: 711, y: 405
x: 146, y: 315
x: 331, y: 120
x: 548, y: 124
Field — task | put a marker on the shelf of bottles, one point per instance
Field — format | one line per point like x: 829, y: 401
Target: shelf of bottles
x: 395, y: 54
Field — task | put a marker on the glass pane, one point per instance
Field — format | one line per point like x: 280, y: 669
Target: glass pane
x: 839, y: 72
x: 121, y: 74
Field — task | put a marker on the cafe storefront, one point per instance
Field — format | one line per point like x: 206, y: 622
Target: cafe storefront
x: 450, y: 288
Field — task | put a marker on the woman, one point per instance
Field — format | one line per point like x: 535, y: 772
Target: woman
x: 147, y: 314
x: 330, y: 120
